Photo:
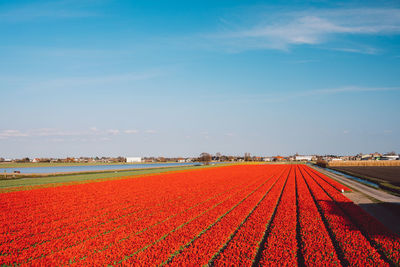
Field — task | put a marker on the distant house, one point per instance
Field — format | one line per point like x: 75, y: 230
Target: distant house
x: 303, y: 158
x: 366, y: 157
x: 279, y: 158
x: 133, y: 159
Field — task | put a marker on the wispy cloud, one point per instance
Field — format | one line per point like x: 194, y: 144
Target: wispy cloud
x: 51, y: 132
x: 349, y: 89
x: 296, y: 95
x: 113, y: 131
x: 58, y: 134
x: 312, y: 27
x: 41, y: 132
x: 358, y: 50
x: 96, y: 83
x: 73, y: 82
x: 330, y: 91
x: 131, y: 131
x: 11, y: 133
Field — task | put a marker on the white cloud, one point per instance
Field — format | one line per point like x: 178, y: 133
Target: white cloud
x: 359, y: 50
x: 131, y: 131
x: 150, y: 131
x: 311, y: 27
x: 52, y: 132
x: 12, y: 133
x: 113, y: 131
x: 57, y: 133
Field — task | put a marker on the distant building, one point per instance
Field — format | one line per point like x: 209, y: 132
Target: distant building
x: 376, y: 156
x: 390, y: 157
x: 303, y: 158
x: 133, y: 159
x: 279, y: 158
x: 366, y: 157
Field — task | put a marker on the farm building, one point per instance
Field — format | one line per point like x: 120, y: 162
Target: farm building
x: 390, y: 157
x: 133, y: 159
x: 303, y: 158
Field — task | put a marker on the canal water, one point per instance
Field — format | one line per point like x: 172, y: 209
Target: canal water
x: 93, y: 167
x: 353, y: 178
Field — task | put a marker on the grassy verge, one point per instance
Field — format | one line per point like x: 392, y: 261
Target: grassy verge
x: 52, y: 181
x: 64, y: 164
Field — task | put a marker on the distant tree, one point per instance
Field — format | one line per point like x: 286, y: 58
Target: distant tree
x: 121, y: 159
x: 205, y: 158
x: 23, y: 160
x: 247, y: 157
x: 322, y: 163
x: 161, y: 159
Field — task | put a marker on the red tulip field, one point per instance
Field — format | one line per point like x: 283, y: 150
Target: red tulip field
x: 241, y: 215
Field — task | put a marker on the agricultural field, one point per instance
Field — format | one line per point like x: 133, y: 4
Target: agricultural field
x: 388, y: 173
x: 388, y: 177
x: 364, y: 163
x: 242, y: 215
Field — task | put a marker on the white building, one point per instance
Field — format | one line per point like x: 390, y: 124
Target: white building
x: 390, y: 157
x: 303, y: 158
x: 133, y: 159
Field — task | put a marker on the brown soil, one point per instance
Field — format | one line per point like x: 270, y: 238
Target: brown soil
x: 390, y: 174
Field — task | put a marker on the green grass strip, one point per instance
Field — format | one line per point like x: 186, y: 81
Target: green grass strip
x: 23, y: 184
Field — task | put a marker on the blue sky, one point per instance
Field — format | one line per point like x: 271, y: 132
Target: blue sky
x: 177, y: 78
